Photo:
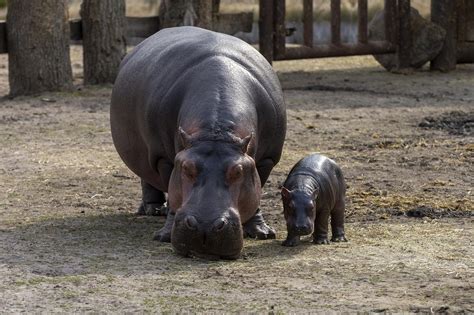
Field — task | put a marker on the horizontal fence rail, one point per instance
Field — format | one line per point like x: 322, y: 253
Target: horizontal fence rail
x: 273, y: 32
x: 139, y: 28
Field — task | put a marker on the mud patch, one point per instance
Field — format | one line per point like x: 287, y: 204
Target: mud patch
x: 455, y: 122
x: 430, y: 212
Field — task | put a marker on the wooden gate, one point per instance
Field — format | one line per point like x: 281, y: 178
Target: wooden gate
x: 273, y: 32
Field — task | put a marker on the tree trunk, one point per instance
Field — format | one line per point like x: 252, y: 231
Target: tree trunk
x: 188, y: 12
x: 38, y: 45
x: 103, y: 29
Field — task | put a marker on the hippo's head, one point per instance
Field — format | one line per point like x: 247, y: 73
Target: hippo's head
x: 214, y: 188
x: 299, y: 209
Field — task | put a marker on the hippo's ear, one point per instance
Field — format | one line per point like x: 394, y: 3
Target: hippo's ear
x: 245, y: 143
x: 184, y: 138
x: 285, y: 193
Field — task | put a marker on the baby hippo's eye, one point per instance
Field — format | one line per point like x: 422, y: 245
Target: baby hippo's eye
x: 234, y: 173
x: 189, y: 170
x: 290, y: 208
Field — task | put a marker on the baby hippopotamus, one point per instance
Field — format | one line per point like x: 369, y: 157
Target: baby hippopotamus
x: 314, y: 189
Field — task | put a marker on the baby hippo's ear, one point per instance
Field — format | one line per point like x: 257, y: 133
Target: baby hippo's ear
x: 285, y: 193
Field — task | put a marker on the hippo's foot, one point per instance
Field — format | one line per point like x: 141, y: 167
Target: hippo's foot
x: 291, y: 241
x: 164, y: 234
x: 339, y: 238
x: 257, y: 228
x: 319, y: 240
x: 152, y: 209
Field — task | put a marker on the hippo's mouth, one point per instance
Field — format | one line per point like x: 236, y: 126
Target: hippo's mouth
x: 208, y: 245
x: 184, y: 249
x: 207, y: 256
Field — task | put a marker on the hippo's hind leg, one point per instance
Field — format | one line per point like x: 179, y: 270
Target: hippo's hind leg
x: 256, y: 226
x: 337, y: 223
x: 153, y: 201
x: 320, y: 234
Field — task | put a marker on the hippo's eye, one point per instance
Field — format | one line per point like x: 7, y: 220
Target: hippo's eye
x: 189, y: 170
x: 290, y: 208
x: 234, y: 173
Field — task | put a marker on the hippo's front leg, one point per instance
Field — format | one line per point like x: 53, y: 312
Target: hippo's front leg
x: 291, y: 240
x: 320, y: 235
x: 257, y: 228
x: 164, y: 234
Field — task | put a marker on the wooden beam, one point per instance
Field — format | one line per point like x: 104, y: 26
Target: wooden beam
x: 362, y: 12
x: 308, y: 23
x: 231, y: 23
x: 404, y: 37
x: 443, y: 13
x: 266, y: 29
x: 335, y: 22
x: 3, y: 38
x: 279, y: 28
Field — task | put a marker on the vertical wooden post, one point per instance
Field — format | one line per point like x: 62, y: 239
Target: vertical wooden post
x: 266, y: 29
x: 204, y: 13
x: 336, y: 22
x: 308, y: 22
x: 404, y: 37
x: 443, y: 12
x: 461, y: 25
x: 362, y: 25
x: 280, y: 29
x: 390, y: 10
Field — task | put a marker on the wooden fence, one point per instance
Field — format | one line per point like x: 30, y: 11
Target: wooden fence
x: 139, y: 28
x: 273, y: 31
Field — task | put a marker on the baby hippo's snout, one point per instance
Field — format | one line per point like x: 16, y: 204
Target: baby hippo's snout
x: 303, y: 227
x: 219, y: 237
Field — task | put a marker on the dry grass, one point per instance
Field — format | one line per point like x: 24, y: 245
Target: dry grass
x: 70, y: 243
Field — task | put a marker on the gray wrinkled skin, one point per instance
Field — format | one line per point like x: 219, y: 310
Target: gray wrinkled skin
x: 200, y: 115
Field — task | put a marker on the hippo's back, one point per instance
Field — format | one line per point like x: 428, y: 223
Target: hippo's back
x: 172, y: 53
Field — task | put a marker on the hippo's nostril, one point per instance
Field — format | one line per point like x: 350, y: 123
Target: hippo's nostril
x: 219, y: 224
x: 191, y: 222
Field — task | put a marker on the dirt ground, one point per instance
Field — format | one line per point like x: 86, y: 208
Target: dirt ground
x: 70, y: 242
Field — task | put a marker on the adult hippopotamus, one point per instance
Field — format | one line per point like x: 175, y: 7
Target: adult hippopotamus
x: 200, y: 115
x: 314, y: 190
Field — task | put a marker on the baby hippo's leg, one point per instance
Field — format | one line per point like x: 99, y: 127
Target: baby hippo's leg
x: 337, y: 223
x: 291, y: 240
x: 320, y: 235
